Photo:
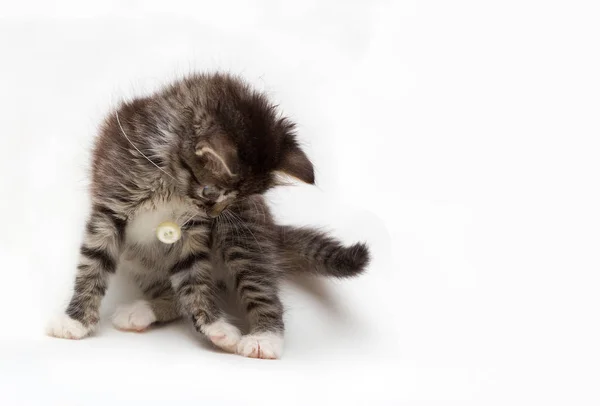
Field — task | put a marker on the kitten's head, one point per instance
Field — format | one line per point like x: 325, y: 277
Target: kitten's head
x: 240, y: 146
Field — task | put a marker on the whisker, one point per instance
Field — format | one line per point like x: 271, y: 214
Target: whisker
x: 257, y: 211
x: 230, y: 219
x: 240, y: 221
x: 233, y: 226
x: 188, y: 220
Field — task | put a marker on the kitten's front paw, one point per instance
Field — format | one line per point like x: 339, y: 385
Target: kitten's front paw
x: 66, y: 327
x: 223, y: 334
x: 137, y: 316
x: 261, y: 345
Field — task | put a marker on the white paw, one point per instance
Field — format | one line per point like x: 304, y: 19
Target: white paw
x: 66, y: 327
x: 136, y: 316
x: 261, y: 345
x: 223, y: 334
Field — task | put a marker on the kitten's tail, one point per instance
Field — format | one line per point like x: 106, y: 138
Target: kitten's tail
x: 307, y: 249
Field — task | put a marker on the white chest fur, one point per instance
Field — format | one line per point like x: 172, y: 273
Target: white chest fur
x: 142, y: 227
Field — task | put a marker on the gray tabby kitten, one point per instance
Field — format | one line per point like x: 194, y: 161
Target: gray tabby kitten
x: 199, y: 153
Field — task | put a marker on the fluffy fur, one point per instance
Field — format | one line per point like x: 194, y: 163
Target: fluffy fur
x: 215, y: 147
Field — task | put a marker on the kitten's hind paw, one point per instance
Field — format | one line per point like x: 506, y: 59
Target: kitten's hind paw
x: 137, y: 316
x: 66, y: 327
x: 223, y: 334
x: 261, y: 345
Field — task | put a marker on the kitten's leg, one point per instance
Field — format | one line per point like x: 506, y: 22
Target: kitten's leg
x: 160, y: 307
x: 255, y: 281
x: 191, y: 278
x: 98, y: 259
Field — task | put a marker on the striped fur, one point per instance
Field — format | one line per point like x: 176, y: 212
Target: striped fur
x: 216, y: 146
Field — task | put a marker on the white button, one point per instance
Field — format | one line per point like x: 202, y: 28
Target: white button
x: 168, y: 232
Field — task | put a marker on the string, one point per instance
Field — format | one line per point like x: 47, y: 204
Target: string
x: 136, y: 148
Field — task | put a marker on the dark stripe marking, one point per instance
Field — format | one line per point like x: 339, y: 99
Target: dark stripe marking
x: 259, y: 301
x: 197, y: 223
x: 99, y: 255
x: 118, y: 223
x: 189, y: 261
x: 235, y: 255
x: 249, y: 289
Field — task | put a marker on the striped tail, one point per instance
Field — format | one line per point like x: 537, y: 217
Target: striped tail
x: 307, y: 249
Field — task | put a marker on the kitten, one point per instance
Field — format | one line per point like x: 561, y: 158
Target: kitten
x: 199, y: 153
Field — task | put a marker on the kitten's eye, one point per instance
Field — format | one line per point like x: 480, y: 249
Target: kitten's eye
x: 210, y: 192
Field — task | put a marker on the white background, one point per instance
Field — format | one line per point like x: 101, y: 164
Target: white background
x: 459, y: 138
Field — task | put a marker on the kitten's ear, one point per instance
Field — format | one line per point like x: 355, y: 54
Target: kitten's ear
x: 296, y: 164
x: 219, y: 155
